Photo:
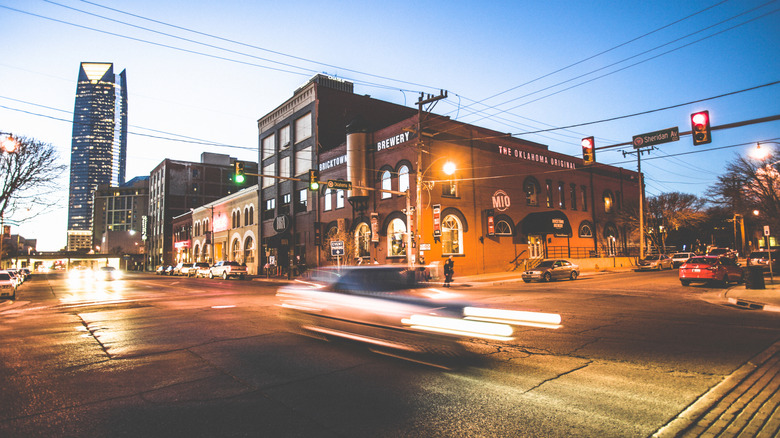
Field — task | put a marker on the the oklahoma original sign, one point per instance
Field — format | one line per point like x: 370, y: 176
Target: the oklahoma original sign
x: 535, y: 157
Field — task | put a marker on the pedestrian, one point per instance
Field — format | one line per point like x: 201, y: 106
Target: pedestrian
x: 449, y: 270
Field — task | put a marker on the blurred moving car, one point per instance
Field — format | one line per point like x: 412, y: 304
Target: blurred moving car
x: 549, y: 270
x: 108, y: 273
x: 202, y: 271
x: 722, y: 252
x: 227, y: 269
x: 679, y: 258
x: 655, y: 262
x: 7, y: 286
x: 761, y: 258
x: 710, y: 269
x: 385, y: 307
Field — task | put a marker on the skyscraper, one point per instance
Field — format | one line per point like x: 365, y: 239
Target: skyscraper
x: 99, y: 146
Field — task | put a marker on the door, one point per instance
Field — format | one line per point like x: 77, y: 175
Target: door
x: 535, y: 247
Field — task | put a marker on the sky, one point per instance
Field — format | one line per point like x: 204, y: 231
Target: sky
x: 200, y: 74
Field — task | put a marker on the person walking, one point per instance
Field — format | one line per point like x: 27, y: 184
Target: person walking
x: 449, y: 271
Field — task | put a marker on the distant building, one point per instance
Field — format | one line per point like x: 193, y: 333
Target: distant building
x: 118, y: 216
x: 99, y: 143
x: 176, y: 187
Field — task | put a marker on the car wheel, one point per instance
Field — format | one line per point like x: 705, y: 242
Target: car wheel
x: 211, y: 274
x: 724, y: 281
x: 527, y: 281
x: 224, y: 275
x: 573, y: 275
x: 547, y: 277
x: 685, y: 282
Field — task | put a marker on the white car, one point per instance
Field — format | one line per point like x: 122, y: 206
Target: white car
x: 655, y: 262
x: 7, y: 286
x: 680, y: 258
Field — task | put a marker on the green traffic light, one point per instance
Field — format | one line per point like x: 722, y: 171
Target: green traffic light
x: 314, y: 186
x: 239, y: 178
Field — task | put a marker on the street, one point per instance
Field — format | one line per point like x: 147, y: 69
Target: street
x: 160, y: 356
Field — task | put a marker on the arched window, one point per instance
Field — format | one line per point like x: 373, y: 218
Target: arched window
x: 328, y: 200
x: 206, y: 253
x: 451, y: 235
x: 396, y: 238
x: 403, y: 178
x: 196, y: 253
x: 531, y: 189
x: 251, y: 215
x: 586, y: 230
x: 362, y: 240
x: 238, y: 219
x: 249, y: 250
x: 387, y: 184
x: 236, y: 249
x: 609, y: 201
x: 503, y: 228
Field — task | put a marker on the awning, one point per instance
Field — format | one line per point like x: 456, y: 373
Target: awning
x: 546, y: 222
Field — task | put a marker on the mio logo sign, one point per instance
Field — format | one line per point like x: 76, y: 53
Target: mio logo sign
x: 501, y: 200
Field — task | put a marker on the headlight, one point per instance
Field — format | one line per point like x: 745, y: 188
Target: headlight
x: 463, y: 327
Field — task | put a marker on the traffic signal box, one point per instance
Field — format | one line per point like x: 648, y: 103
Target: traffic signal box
x: 700, y: 128
x: 588, y: 151
x: 314, y: 180
x: 239, y: 177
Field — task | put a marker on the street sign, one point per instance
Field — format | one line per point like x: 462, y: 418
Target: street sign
x: 766, y: 230
x: 339, y: 184
x: 336, y: 248
x: 425, y: 247
x: 656, y: 137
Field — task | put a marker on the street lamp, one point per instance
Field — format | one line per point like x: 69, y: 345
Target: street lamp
x: 449, y: 169
x: 9, y: 144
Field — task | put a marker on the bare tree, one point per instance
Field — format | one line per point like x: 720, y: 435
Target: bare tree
x: 664, y: 214
x: 28, y: 179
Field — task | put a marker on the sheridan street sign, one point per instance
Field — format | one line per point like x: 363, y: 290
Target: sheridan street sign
x: 657, y: 137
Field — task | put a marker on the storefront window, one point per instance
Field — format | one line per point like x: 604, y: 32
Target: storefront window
x: 362, y: 240
x: 196, y: 253
x: 396, y: 238
x: 531, y: 189
x: 236, y: 250
x: 249, y: 250
x: 451, y: 235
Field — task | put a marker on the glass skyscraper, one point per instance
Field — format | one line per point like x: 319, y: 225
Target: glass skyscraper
x: 99, y: 146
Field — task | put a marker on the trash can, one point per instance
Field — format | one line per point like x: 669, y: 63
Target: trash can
x: 754, y: 278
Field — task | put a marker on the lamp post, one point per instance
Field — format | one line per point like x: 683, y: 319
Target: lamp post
x: 449, y: 169
x: 8, y: 145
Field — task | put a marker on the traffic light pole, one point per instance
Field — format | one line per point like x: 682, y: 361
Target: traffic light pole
x: 639, y: 152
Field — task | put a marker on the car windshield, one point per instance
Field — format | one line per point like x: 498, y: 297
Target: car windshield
x: 681, y: 255
x: 375, y: 280
x: 703, y: 261
x: 652, y: 257
x: 718, y: 251
x: 546, y: 264
x: 4, y: 276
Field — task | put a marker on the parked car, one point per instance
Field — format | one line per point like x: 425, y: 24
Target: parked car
x: 15, y: 276
x: 191, y: 269
x: 162, y: 270
x: 761, y: 258
x: 387, y: 308
x: 7, y: 286
x: 657, y: 262
x: 720, y: 270
x: 227, y: 269
x: 549, y: 270
x: 723, y: 252
x: 679, y: 258
x: 177, y: 269
x: 202, y: 271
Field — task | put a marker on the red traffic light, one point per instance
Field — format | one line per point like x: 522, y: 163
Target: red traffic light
x: 700, y: 128
x: 588, y: 151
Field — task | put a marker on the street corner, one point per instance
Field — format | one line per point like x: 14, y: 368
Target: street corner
x: 767, y: 299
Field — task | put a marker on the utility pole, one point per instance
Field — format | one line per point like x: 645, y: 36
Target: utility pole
x: 423, y: 100
x: 638, y: 152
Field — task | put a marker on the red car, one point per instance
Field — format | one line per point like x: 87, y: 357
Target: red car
x: 721, y: 270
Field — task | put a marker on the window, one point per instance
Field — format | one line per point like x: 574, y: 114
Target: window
x: 284, y: 167
x: 503, y: 228
x: 609, y: 202
x: 531, y: 189
x: 387, y: 184
x: 268, y: 169
x: 362, y: 240
x: 584, y: 191
x: 573, y: 196
x: 617, y: 200
x: 449, y: 189
x: 249, y: 215
x: 238, y: 219
x: 286, y: 198
x: 303, y: 161
x: 396, y: 238
x: 284, y: 137
x: 339, y: 199
x: 196, y: 253
x: 236, y: 250
x: 549, y: 194
x: 269, y: 146
x: 561, y: 195
x: 303, y: 198
x: 328, y: 200
x: 403, y: 178
x: 270, y: 209
x: 451, y: 235
x: 303, y: 128
x: 249, y: 250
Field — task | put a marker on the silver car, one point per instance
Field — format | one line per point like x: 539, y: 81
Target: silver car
x: 657, y: 262
x: 549, y: 270
x: 679, y: 258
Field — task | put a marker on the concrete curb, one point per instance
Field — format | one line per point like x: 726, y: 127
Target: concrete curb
x: 753, y: 305
x: 696, y: 411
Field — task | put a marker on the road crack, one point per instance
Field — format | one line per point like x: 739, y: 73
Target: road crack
x: 585, y: 365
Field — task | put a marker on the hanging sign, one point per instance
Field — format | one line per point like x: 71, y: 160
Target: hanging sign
x: 437, y: 220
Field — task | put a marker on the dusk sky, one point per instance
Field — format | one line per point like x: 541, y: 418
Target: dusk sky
x: 204, y: 72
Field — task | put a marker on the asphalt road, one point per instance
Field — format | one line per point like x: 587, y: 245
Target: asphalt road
x: 160, y: 356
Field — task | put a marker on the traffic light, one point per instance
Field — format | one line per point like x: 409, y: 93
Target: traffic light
x: 588, y: 151
x: 314, y: 180
x: 239, y: 178
x: 700, y: 128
